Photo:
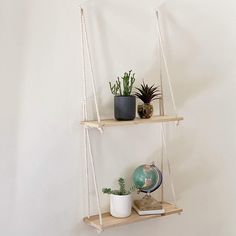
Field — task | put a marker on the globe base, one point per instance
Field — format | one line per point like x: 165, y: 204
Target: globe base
x: 148, y: 203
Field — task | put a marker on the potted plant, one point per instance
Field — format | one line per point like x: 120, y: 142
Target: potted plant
x: 120, y: 200
x: 124, y: 102
x: 147, y: 94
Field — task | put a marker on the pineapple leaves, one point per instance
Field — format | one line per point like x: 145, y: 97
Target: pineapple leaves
x: 148, y: 93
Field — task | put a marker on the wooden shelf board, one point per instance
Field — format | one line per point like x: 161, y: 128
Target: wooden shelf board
x: 110, y: 221
x: 137, y: 121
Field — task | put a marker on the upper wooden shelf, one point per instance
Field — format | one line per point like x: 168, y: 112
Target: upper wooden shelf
x: 137, y: 121
x: 110, y: 221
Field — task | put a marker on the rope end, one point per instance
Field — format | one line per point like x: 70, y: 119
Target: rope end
x: 177, y: 123
x: 99, y: 231
x: 100, y: 129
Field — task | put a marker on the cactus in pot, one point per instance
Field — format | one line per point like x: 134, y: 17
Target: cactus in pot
x: 120, y: 200
x: 124, y: 101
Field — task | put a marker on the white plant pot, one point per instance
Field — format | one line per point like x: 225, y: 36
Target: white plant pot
x: 120, y: 205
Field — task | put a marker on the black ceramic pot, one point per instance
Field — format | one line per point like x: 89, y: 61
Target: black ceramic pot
x: 124, y: 107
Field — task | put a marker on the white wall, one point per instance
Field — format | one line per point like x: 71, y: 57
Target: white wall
x: 41, y: 165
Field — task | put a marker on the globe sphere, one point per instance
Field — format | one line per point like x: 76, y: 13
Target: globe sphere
x: 147, y: 178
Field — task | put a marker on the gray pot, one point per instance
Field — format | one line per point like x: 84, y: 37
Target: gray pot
x: 124, y: 107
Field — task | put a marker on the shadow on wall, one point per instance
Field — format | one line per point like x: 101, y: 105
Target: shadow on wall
x: 14, y: 25
x: 190, y: 77
x: 187, y: 56
x: 190, y: 61
x: 189, y: 173
x: 187, y: 59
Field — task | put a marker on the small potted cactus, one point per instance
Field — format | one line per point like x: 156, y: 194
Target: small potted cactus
x: 147, y: 94
x: 124, y: 101
x: 120, y: 200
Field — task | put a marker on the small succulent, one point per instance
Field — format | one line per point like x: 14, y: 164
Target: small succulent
x: 122, y: 189
x: 128, y: 80
x: 148, y: 93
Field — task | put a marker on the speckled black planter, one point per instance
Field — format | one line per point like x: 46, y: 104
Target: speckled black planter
x: 124, y: 107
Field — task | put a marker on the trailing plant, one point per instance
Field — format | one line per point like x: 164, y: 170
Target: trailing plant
x: 128, y: 80
x: 148, y: 93
x: 122, y: 189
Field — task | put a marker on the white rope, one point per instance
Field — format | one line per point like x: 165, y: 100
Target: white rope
x: 87, y: 141
x: 90, y: 64
x: 168, y: 163
x: 161, y: 100
x: 162, y: 167
x: 163, y: 138
x: 85, y: 118
x: 94, y: 178
x: 165, y: 62
x: 86, y: 175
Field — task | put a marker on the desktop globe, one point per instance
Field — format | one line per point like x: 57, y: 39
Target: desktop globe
x: 147, y: 179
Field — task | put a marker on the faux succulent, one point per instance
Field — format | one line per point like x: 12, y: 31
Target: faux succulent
x: 122, y: 189
x: 127, y: 82
x: 148, y: 93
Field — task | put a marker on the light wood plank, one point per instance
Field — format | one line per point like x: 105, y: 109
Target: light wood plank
x: 137, y: 121
x: 110, y: 221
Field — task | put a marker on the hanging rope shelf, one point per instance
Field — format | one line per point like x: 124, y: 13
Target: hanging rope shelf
x: 105, y: 220
x: 137, y: 121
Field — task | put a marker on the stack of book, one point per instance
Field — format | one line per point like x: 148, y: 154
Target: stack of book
x: 148, y: 206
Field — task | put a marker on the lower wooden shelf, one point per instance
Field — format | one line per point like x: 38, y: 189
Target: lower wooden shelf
x: 110, y: 221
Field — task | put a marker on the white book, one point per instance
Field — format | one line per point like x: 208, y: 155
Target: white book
x: 149, y: 212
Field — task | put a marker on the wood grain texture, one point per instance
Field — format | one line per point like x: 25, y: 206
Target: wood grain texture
x: 110, y: 221
x: 137, y: 121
